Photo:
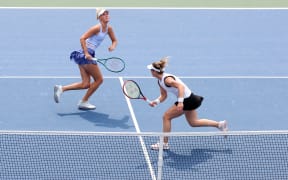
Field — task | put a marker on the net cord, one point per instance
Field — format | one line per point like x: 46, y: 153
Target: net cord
x: 87, y: 133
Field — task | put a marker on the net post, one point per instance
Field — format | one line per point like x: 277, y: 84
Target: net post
x: 160, y: 157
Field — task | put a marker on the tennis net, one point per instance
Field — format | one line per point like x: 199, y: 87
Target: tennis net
x: 112, y: 155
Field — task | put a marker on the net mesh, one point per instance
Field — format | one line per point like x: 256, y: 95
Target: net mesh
x: 74, y: 155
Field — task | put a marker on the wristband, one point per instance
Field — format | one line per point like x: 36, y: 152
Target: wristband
x: 157, y: 101
x: 180, y: 100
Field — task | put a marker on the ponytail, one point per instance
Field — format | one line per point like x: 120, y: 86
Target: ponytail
x: 161, y: 64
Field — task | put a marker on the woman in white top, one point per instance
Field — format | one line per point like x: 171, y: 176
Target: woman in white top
x: 186, y: 103
x: 89, y: 41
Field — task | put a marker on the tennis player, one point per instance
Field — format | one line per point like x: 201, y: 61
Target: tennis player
x: 186, y: 104
x: 89, y: 41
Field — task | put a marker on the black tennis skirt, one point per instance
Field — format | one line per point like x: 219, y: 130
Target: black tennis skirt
x: 192, y: 102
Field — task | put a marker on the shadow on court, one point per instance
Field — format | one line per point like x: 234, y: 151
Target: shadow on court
x: 101, y: 119
x: 189, y: 161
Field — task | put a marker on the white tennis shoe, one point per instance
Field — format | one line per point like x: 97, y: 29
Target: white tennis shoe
x: 85, y: 105
x: 57, y: 92
x: 223, y: 126
x: 157, y: 145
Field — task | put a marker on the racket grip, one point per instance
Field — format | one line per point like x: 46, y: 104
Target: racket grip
x: 95, y: 59
x: 147, y: 100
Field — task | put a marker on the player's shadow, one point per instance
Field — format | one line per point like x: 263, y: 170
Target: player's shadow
x: 189, y: 161
x: 101, y: 119
x: 185, y: 162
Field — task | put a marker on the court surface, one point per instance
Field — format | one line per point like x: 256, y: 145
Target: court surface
x: 236, y: 59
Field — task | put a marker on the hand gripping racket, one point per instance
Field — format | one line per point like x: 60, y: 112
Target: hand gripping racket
x: 113, y: 64
x: 132, y: 90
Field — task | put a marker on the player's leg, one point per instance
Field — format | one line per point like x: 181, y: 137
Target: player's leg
x: 94, y: 71
x: 170, y: 114
x: 192, y: 119
x: 96, y: 74
x: 84, y: 84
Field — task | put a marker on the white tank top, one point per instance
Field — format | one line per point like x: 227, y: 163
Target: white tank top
x: 94, y: 41
x: 187, y: 91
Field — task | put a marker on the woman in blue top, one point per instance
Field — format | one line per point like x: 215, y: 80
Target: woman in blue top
x: 186, y: 103
x: 89, y: 41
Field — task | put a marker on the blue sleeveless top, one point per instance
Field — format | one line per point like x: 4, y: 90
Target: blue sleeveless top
x: 94, y: 41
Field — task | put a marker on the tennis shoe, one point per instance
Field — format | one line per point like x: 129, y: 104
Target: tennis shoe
x: 57, y: 92
x: 85, y: 105
x: 157, y: 145
x: 223, y: 127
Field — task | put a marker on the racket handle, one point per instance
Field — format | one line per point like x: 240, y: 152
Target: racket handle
x: 95, y: 59
x: 147, y: 100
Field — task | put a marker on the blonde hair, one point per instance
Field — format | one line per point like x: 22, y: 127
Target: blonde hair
x: 161, y: 64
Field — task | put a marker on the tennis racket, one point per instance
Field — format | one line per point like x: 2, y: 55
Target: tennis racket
x: 113, y: 64
x: 132, y: 90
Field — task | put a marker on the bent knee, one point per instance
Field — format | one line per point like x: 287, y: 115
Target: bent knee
x: 166, y: 117
x: 100, y: 80
x: 193, y: 123
x: 85, y: 85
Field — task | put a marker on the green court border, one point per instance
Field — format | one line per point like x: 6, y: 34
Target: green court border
x: 148, y: 3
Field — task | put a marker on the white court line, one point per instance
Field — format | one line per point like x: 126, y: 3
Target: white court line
x: 146, y: 155
x: 154, y: 8
x: 147, y: 77
x: 130, y: 108
x: 149, y: 134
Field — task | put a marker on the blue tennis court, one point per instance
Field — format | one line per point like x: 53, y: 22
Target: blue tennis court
x: 235, y: 58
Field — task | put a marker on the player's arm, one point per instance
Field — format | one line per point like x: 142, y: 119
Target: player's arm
x: 163, y: 94
x: 161, y: 98
x: 113, y: 38
x: 90, y: 32
x: 170, y: 81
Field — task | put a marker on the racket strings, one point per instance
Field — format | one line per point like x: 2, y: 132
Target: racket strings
x: 132, y: 90
x: 115, y: 64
